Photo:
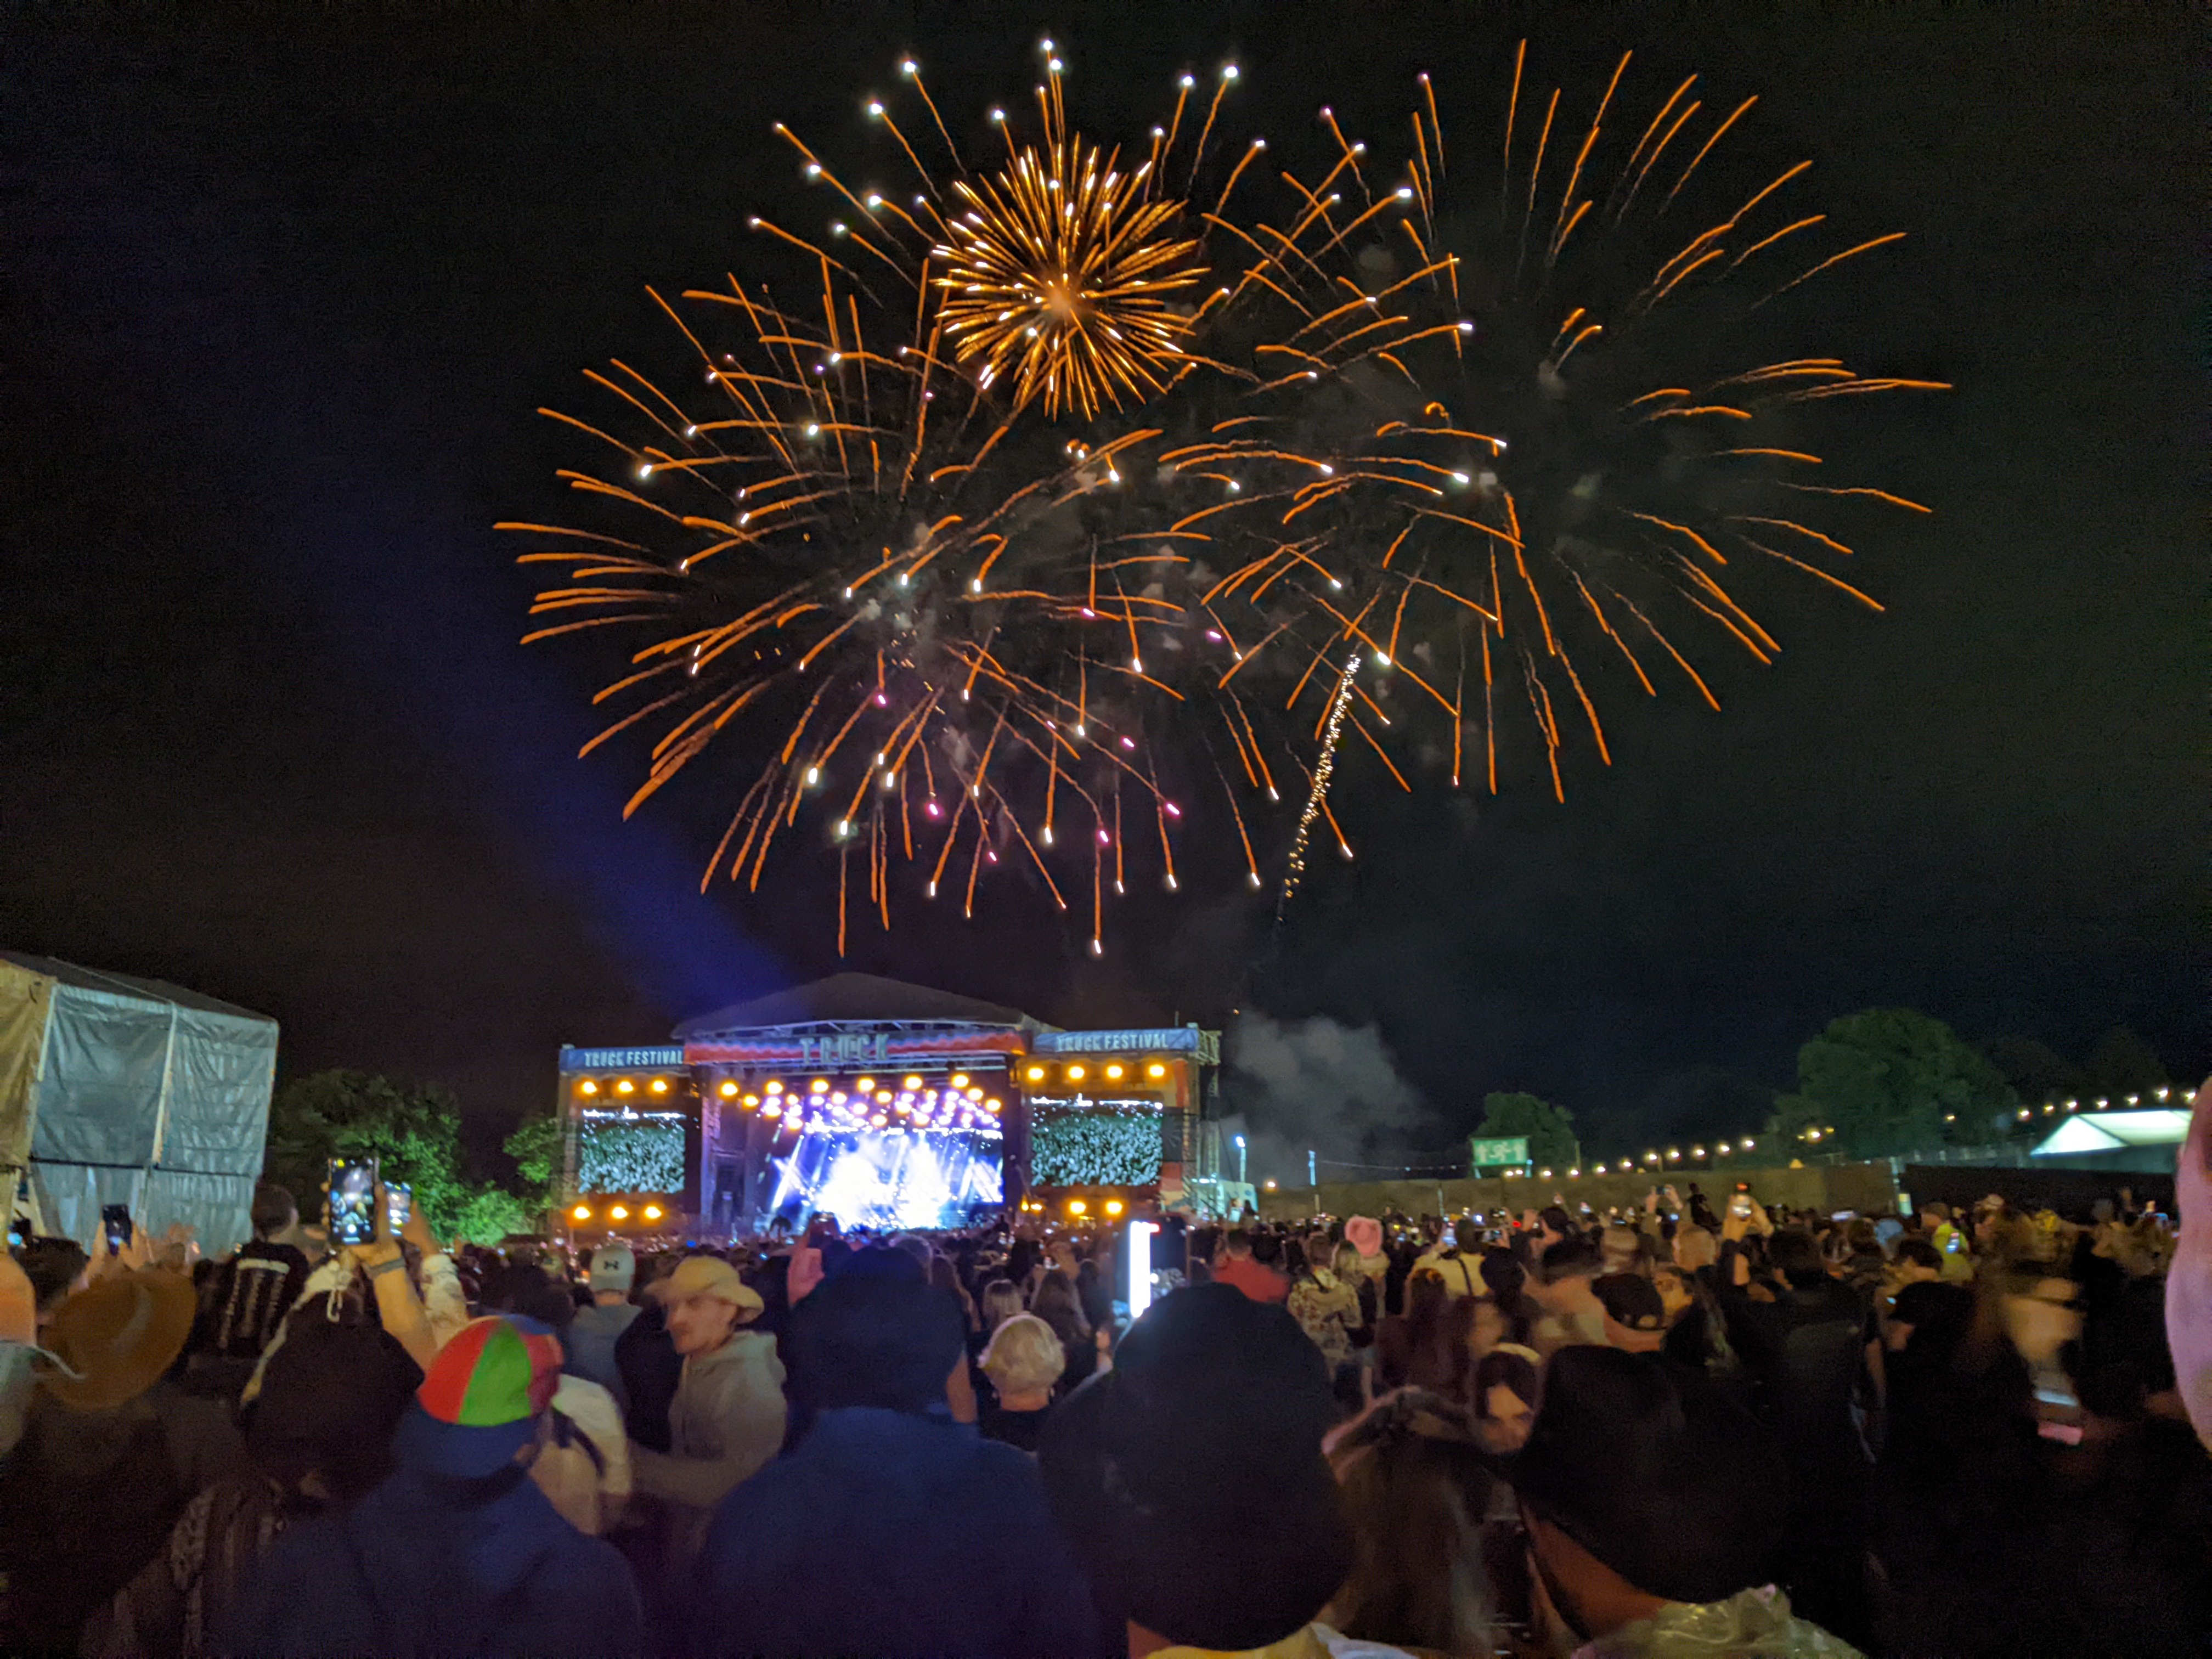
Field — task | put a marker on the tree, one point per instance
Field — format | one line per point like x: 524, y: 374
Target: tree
x: 538, y: 1147
x: 491, y: 1214
x: 1889, y: 1081
x: 1549, y: 1128
x: 413, y: 1134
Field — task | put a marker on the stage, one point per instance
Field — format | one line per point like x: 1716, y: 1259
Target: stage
x: 886, y: 1105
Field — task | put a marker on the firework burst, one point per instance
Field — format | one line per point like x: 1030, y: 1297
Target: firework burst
x: 1500, y: 431
x: 1063, y: 271
x: 851, y: 530
x: 1041, y: 480
x: 1068, y: 277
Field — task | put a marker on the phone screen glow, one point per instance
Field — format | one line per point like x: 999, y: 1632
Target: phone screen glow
x: 1138, y: 1253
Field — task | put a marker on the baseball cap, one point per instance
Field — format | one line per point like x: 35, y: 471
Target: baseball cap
x: 613, y: 1267
x: 1631, y: 1300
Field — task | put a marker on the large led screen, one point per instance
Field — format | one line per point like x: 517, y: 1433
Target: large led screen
x: 631, y: 1153
x: 1108, y: 1143
x: 902, y: 1179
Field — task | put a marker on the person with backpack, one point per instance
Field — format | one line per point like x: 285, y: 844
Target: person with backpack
x: 583, y: 1460
x: 1445, y: 1258
x: 319, y: 1437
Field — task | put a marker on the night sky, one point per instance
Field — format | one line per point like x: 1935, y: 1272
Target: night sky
x: 284, y: 285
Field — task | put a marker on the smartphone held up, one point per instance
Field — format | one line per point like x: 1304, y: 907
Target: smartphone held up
x: 353, y: 1200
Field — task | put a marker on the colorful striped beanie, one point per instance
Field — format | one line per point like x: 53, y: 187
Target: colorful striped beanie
x: 491, y: 1374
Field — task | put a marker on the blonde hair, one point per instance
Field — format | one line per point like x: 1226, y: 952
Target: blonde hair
x: 1024, y: 1356
x: 1620, y: 1250
x: 1694, y: 1249
x: 1002, y: 1300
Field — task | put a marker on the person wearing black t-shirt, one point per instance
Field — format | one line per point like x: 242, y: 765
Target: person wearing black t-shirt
x: 1023, y: 1362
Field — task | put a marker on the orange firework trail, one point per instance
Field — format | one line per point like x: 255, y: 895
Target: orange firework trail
x: 849, y: 529
x: 1466, y: 425
x: 1058, y: 466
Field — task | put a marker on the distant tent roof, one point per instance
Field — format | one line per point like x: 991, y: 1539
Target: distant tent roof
x: 154, y: 990
x: 855, y: 999
x: 2102, y: 1131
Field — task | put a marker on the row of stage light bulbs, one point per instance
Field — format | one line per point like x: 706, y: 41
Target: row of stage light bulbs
x: 960, y: 1105
x: 729, y: 1090
x: 624, y: 1086
x: 1112, y: 1074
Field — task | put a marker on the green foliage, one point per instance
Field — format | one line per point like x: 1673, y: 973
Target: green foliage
x: 631, y: 1155
x: 415, y: 1135
x: 1889, y: 1081
x: 538, y: 1148
x: 1549, y: 1129
x: 1100, y: 1144
x: 492, y: 1213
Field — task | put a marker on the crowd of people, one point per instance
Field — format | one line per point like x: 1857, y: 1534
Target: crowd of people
x: 1691, y: 1428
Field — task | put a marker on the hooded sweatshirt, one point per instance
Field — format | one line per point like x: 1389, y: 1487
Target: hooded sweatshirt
x: 435, y: 1562
x: 726, y: 1420
x: 893, y: 1533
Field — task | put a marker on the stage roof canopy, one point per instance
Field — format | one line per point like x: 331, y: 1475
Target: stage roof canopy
x: 855, y: 999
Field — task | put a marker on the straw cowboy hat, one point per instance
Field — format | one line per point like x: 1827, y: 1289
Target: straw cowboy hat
x: 110, y: 1343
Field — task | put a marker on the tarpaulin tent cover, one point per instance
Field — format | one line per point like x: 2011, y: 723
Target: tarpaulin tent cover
x: 123, y: 1091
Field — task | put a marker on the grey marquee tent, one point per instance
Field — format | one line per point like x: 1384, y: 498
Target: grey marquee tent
x: 123, y: 1091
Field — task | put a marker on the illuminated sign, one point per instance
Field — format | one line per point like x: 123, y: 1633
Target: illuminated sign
x: 593, y: 1059
x: 1173, y: 1040
x: 1489, y: 1154
x: 847, y: 1048
x: 1085, y: 1102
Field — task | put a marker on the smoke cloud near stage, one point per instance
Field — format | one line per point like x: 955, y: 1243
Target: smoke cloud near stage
x: 868, y: 1178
